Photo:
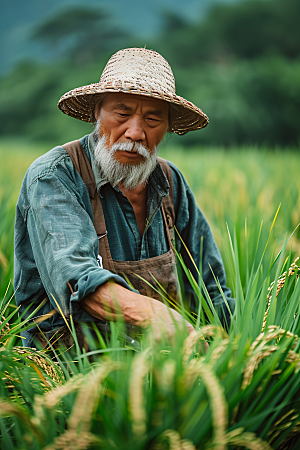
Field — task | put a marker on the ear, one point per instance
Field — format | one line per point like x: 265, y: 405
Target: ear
x: 97, y: 111
x: 98, y: 106
x: 169, y: 130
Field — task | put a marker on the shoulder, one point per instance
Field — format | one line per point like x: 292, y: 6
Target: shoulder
x: 182, y: 194
x: 179, y: 181
x: 174, y: 169
x: 55, y: 161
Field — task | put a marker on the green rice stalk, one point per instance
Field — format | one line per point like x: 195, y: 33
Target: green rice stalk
x: 8, y: 409
x: 62, y: 314
x: 294, y: 268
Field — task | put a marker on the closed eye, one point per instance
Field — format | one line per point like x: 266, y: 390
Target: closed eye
x: 153, y: 120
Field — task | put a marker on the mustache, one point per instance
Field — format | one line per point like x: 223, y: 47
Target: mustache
x: 135, y: 147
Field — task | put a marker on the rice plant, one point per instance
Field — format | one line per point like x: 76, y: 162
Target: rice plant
x: 243, y: 392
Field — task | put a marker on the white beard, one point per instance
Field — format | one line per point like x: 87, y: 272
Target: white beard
x: 115, y: 172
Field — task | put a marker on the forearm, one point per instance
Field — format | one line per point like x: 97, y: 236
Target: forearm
x: 113, y: 302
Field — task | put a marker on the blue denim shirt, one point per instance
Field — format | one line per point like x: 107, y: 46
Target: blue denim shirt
x: 56, y: 243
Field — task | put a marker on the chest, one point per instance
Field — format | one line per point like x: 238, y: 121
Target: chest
x: 138, y: 200
x: 126, y: 241
x: 140, y: 211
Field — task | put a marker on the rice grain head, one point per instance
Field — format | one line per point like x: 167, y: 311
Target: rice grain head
x: 43, y: 361
x: 139, y: 369
x: 273, y: 332
x: 50, y: 399
x: 201, y: 334
x: 254, y: 360
x: 173, y: 439
x: 219, y: 350
x: 88, y: 397
x: 191, y: 373
x: 291, y: 358
x: 294, y: 268
x: 165, y: 376
x: 218, y: 405
x: 212, y: 330
x: 186, y: 444
x: 217, y: 400
x: 247, y: 440
x: 71, y: 440
x: 189, y: 344
x: 284, y: 417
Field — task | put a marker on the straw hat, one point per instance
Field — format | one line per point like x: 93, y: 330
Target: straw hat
x: 135, y: 71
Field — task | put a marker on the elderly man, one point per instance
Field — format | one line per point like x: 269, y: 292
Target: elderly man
x: 104, y: 208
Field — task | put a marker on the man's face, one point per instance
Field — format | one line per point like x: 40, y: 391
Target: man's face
x: 128, y: 118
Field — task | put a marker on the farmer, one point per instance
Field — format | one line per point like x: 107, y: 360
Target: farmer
x: 105, y: 208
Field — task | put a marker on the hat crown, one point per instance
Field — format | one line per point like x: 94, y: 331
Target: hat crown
x: 139, y: 67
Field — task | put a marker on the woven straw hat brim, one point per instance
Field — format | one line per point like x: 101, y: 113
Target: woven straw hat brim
x: 80, y: 103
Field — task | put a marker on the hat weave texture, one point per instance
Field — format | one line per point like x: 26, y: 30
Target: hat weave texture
x: 135, y: 71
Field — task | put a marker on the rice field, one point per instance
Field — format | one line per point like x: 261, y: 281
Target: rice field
x: 243, y: 392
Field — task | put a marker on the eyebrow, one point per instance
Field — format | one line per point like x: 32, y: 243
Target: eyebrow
x: 123, y: 106
x: 155, y: 112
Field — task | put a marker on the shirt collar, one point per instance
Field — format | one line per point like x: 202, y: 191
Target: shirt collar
x: 157, y: 179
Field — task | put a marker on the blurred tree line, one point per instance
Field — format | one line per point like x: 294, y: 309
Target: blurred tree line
x: 241, y: 65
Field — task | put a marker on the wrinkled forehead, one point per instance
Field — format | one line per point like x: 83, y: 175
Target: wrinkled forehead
x: 132, y: 101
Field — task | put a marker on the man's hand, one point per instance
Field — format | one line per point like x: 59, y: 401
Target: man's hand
x: 113, y: 302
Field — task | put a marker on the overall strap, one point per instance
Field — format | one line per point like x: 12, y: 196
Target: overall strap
x: 167, y: 202
x: 82, y: 165
x: 168, y: 211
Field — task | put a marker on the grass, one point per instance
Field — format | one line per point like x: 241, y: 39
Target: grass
x: 242, y: 393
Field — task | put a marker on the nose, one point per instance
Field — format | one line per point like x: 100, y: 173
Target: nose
x: 135, y: 130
